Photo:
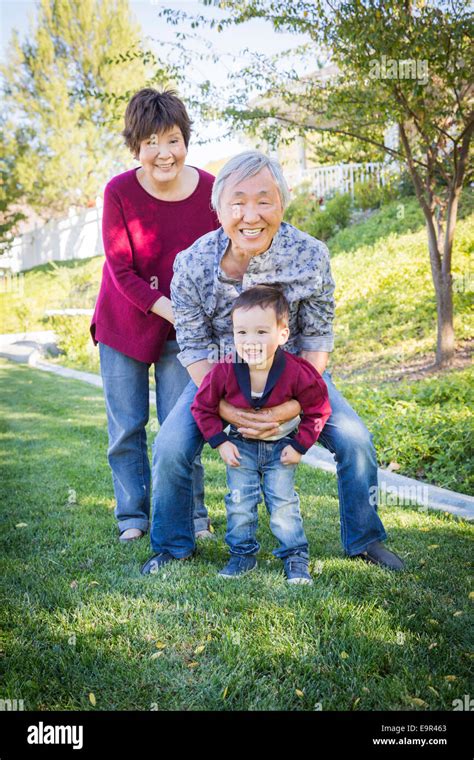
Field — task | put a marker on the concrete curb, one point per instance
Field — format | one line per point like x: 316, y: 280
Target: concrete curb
x: 395, y: 489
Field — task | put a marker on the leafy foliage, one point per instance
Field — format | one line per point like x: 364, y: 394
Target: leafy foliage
x: 65, y: 88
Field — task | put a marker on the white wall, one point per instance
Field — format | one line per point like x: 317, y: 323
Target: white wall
x: 77, y: 236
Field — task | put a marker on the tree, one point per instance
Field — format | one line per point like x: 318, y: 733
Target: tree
x: 407, y: 62
x: 11, y: 191
x: 65, y: 96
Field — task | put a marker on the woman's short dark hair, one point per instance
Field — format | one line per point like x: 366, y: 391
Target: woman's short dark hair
x: 265, y: 296
x: 151, y: 112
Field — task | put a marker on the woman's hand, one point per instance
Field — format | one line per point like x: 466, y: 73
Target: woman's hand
x: 162, y: 307
x: 262, y: 423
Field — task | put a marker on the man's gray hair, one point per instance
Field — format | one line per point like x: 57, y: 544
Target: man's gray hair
x: 246, y: 165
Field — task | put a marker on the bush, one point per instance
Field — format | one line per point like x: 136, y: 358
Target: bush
x: 302, y: 208
x: 74, y: 340
x: 424, y: 426
x: 305, y: 213
x: 370, y: 195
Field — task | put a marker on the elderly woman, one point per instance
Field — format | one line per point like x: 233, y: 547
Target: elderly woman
x: 254, y: 246
x: 150, y: 214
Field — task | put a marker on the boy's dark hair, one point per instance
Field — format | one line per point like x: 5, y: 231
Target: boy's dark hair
x: 264, y: 296
x: 151, y: 112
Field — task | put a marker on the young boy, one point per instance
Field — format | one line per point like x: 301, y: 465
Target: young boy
x: 263, y: 375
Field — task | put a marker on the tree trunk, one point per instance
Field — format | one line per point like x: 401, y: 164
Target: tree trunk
x: 444, y: 309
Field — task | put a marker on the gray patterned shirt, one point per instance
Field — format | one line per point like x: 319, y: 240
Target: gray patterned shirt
x: 202, y: 294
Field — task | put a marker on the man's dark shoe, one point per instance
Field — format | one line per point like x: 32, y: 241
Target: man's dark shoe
x: 238, y: 566
x: 155, y: 563
x: 378, y: 554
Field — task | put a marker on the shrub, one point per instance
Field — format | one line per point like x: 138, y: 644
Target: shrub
x: 305, y: 213
x: 369, y: 195
x: 424, y: 426
x: 302, y: 208
x: 75, y: 341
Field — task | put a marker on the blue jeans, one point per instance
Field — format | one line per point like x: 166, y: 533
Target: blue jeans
x: 127, y: 394
x: 260, y: 470
x: 180, y: 441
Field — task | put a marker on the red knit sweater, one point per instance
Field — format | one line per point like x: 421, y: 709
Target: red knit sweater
x: 142, y: 236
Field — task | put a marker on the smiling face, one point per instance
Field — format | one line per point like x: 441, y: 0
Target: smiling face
x: 162, y: 156
x: 251, y: 212
x: 257, y: 335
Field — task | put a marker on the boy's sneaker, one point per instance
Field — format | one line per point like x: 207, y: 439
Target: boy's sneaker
x: 238, y: 566
x: 296, y: 570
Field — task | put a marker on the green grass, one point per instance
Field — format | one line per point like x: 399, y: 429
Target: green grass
x: 78, y: 618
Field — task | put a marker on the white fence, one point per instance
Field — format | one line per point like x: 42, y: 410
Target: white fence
x: 77, y: 236
x: 325, y: 180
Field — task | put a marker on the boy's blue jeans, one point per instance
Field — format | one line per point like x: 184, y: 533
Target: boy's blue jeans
x: 126, y: 391
x: 260, y: 470
x: 180, y: 441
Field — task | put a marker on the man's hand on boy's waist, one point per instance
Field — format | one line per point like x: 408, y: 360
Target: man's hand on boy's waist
x: 261, y: 423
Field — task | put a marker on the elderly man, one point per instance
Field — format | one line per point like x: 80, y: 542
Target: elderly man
x: 254, y: 246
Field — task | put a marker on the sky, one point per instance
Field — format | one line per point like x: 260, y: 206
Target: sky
x: 256, y: 35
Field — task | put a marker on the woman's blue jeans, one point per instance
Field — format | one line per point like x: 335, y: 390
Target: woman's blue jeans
x: 179, y: 442
x: 127, y: 395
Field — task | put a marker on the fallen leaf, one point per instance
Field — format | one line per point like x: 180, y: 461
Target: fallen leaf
x: 355, y: 702
x: 418, y: 702
x: 433, y: 546
x: 160, y: 645
x: 92, y: 699
x: 432, y: 621
x: 365, y: 690
x: 433, y: 690
x: 200, y: 649
x: 73, y: 584
x: 343, y: 655
x: 155, y: 655
x: 394, y: 466
x: 458, y: 613
x: 450, y: 678
x: 21, y: 525
x: 433, y: 645
x: 299, y: 693
x: 192, y: 665
x: 422, y: 562
x: 224, y: 693
x: 94, y: 583
x: 471, y: 595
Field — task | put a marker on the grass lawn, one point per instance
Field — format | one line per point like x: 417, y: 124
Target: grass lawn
x: 82, y: 629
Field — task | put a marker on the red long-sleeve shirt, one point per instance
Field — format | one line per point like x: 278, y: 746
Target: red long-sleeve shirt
x: 142, y: 236
x: 290, y: 377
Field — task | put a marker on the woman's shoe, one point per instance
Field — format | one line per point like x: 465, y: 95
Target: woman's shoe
x: 131, y: 534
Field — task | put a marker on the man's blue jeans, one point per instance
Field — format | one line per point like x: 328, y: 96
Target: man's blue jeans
x: 180, y: 441
x: 127, y: 394
x: 260, y: 469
